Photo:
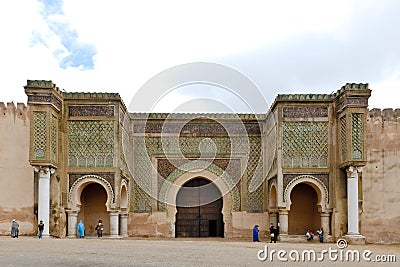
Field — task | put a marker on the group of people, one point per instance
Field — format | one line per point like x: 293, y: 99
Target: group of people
x: 310, y: 235
x: 274, y: 233
x: 15, y: 229
x: 99, y: 229
x: 81, y: 229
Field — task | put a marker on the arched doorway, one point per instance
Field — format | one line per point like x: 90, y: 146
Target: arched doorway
x: 93, y: 208
x: 304, y: 210
x: 199, y: 210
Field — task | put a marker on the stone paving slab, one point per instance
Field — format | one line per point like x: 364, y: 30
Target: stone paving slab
x: 30, y: 251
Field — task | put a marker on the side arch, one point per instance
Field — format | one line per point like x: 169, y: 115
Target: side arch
x: 77, y: 187
x: 273, y: 195
x: 315, y: 183
x: 124, y: 195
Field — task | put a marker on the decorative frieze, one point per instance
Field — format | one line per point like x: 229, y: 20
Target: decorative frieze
x: 305, y: 112
x: 45, y: 99
x: 353, y: 101
x: 197, y: 128
x: 91, y: 111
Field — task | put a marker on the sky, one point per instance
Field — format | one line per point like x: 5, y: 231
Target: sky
x: 281, y: 46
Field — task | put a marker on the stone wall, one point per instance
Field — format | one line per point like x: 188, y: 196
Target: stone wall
x: 16, y: 175
x: 380, y: 213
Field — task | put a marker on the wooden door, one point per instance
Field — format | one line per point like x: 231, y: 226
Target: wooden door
x: 199, y: 206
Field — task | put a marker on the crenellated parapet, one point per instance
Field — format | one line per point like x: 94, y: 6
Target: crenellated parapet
x: 83, y: 95
x: 19, y: 111
x: 387, y: 114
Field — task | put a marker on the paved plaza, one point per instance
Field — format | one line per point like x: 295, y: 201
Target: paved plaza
x: 30, y: 251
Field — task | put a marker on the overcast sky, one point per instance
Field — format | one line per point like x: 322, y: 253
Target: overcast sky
x: 282, y: 46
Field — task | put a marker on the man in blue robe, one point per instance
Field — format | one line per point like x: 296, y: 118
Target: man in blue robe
x: 81, y: 229
x: 255, y: 234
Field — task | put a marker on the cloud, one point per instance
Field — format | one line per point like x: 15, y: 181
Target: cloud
x: 70, y: 52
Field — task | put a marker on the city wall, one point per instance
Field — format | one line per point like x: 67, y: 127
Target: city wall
x: 16, y: 175
x: 380, y: 213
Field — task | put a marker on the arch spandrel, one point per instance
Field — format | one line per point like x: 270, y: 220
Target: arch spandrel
x: 78, y: 186
x: 220, y: 177
x: 314, y: 182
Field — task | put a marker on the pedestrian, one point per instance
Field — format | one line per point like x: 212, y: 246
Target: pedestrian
x: 309, y: 235
x: 320, y: 233
x: 255, y: 234
x: 14, y: 229
x: 99, y: 228
x: 81, y: 229
x: 40, y: 229
x: 272, y: 233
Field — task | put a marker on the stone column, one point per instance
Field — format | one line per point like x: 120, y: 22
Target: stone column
x: 72, y: 222
x: 353, y: 235
x: 352, y: 200
x: 124, y: 224
x: 284, y: 221
x: 325, y: 224
x: 44, y: 198
x: 114, y: 227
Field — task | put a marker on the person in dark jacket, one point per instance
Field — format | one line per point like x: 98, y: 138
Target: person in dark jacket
x: 99, y: 228
x: 14, y: 229
x: 40, y: 229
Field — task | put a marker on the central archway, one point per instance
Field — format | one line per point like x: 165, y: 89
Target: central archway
x: 304, y: 210
x: 93, y: 200
x: 199, y: 210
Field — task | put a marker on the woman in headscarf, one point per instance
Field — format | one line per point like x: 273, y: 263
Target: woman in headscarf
x: 14, y: 229
x: 81, y: 229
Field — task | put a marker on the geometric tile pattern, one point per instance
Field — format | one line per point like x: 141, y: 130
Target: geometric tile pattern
x: 190, y: 147
x: 343, y: 137
x: 91, y: 143
x: 305, y: 144
x: 53, y: 138
x: 357, y: 135
x: 39, y: 134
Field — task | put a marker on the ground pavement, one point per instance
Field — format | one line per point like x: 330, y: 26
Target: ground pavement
x: 30, y: 251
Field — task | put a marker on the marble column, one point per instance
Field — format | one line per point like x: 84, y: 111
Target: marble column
x: 44, y: 198
x: 114, y: 226
x: 284, y: 221
x: 352, y: 201
x: 124, y: 224
x: 325, y: 223
x: 72, y: 223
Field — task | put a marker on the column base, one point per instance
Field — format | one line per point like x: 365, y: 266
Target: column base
x: 114, y: 236
x: 355, y: 239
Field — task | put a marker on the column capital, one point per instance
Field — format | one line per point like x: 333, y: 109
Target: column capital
x: 44, y: 169
x: 72, y: 212
x: 114, y: 212
x: 325, y: 214
x: 353, y: 171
